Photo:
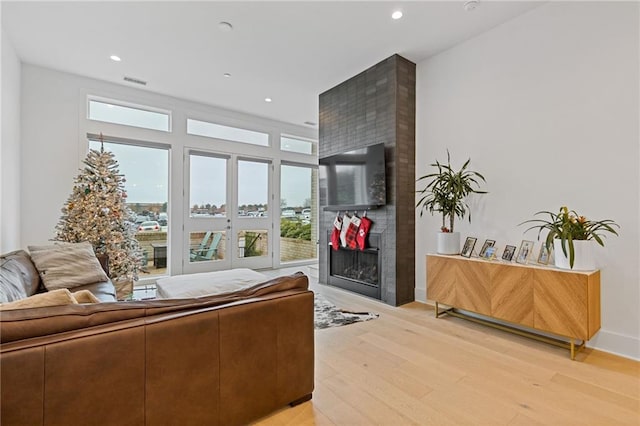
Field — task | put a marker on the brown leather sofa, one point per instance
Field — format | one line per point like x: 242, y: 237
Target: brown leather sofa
x: 218, y: 360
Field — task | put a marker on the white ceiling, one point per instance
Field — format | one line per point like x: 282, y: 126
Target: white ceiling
x: 289, y: 51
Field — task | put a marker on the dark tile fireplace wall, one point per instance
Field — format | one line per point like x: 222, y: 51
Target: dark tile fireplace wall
x: 378, y: 106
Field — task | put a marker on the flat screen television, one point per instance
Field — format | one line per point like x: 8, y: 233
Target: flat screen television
x: 353, y: 179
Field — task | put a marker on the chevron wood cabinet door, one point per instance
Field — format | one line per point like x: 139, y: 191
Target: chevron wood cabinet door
x: 473, y: 287
x: 441, y: 280
x: 562, y: 303
x: 512, y: 294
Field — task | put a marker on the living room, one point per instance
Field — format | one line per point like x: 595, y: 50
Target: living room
x: 545, y: 104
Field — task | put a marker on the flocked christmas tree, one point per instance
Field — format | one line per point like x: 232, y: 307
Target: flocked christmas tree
x: 96, y: 211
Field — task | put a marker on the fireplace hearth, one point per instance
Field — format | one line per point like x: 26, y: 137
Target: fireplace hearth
x: 357, y: 270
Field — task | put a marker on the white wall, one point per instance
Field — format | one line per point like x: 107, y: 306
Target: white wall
x: 10, y: 149
x: 54, y: 129
x: 547, y: 107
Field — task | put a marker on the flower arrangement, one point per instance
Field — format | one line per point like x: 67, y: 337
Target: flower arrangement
x: 568, y: 226
x: 446, y: 191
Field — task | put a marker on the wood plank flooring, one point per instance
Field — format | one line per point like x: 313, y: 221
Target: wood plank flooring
x: 409, y: 368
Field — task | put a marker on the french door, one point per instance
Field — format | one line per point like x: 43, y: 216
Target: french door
x: 228, y: 204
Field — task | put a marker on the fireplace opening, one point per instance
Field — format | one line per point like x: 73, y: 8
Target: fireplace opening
x: 357, y: 270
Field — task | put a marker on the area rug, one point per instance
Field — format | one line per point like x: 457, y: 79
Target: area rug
x: 328, y: 315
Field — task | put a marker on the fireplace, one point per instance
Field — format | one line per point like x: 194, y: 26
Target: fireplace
x: 357, y: 270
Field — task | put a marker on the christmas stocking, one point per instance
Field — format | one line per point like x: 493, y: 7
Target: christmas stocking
x: 352, y: 232
x: 343, y: 232
x: 335, y: 233
x: 363, y: 232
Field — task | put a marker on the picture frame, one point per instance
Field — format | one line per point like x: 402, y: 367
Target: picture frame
x: 544, y: 255
x: 490, y: 253
x: 485, y: 246
x: 508, y: 253
x: 524, y: 253
x: 469, y: 244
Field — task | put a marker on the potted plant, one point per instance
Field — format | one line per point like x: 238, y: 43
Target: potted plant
x: 571, y: 235
x: 445, y: 193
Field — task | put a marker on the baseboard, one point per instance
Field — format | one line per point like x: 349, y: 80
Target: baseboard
x: 617, y: 344
x: 421, y: 294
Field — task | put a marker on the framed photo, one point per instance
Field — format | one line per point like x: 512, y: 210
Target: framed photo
x: 490, y: 253
x: 485, y: 246
x: 508, y: 253
x: 544, y: 255
x: 469, y: 244
x: 526, y: 247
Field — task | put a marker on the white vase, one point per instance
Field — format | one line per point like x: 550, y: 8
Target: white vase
x: 448, y: 243
x: 583, y: 259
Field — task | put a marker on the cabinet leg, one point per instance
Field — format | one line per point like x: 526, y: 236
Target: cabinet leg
x: 573, y: 350
x: 437, y: 313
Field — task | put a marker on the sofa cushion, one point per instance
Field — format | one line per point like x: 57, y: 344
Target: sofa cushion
x: 18, y: 276
x: 58, y: 297
x: 67, y: 265
x: 207, y: 283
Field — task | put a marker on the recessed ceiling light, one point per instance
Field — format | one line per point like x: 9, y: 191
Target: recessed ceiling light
x: 310, y: 123
x: 397, y: 14
x: 226, y: 74
x: 268, y: 99
x: 225, y: 26
x: 470, y: 5
x: 115, y: 58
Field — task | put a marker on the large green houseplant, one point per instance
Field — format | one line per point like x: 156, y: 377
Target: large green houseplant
x: 445, y: 193
x: 566, y: 228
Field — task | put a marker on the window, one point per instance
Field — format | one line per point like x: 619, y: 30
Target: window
x: 137, y: 116
x: 147, y: 186
x: 218, y: 131
x: 253, y: 188
x: 297, y: 145
x: 298, y: 213
x: 207, y: 186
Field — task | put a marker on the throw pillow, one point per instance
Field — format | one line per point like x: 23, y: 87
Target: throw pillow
x: 52, y: 298
x: 67, y: 265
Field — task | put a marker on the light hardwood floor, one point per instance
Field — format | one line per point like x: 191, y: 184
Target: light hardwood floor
x: 408, y: 367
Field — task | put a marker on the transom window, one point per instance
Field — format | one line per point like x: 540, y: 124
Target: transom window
x: 292, y: 144
x: 218, y: 131
x: 129, y: 115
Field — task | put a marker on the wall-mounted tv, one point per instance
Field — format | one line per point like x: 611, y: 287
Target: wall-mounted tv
x: 353, y: 179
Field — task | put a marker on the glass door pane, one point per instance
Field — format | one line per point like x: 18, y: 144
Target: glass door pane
x: 298, y: 213
x: 253, y: 224
x: 207, y: 225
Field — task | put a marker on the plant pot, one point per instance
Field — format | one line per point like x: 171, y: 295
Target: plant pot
x: 583, y: 260
x: 448, y: 243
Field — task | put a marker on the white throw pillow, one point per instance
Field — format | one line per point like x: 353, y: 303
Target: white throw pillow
x: 67, y: 265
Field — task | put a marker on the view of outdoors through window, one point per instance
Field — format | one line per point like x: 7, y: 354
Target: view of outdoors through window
x: 298, y: 223
x: 146, y: 171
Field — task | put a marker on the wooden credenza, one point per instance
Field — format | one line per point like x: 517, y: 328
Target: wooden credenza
x: 561, y: 302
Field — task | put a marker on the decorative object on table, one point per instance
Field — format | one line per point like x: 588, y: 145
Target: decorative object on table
x: 326, y: 314
x: 485, y: 246
x: 544, y: 255
x: 571, y: 235
x: 469, y: 244
x: 526, y: 248
x: 508, y: 253
x: 96, y: 211
x: 489, y: 253
x: 445, y: 193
